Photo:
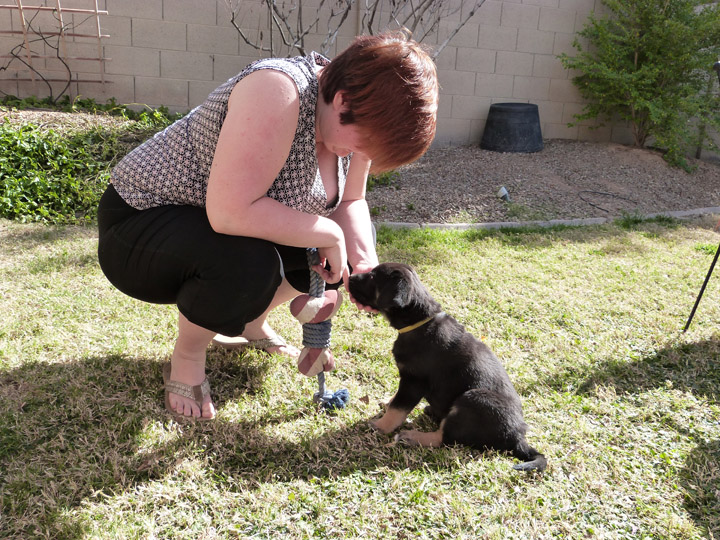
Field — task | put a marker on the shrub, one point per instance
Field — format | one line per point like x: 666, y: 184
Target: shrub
x: 649, y: 63
x: 47, y: 177
x: 58, y: 177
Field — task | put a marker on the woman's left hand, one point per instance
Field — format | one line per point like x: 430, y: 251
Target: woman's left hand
x: 359, y: 269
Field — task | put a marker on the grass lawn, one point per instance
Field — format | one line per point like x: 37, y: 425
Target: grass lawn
x: 586, y: 320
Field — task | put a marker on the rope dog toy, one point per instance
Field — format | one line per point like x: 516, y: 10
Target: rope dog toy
x: 314, y: 311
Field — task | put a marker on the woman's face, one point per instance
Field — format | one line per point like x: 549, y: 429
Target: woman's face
x: 340, y: 139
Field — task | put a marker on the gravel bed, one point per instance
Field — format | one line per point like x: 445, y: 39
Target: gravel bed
x: 566, y: 180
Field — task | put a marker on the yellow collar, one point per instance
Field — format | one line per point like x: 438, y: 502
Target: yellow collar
x: 418, y: 324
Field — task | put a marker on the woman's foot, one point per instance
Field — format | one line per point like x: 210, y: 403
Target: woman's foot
x: 188, y: 368
x: 190, y: 373
x: 270, y: 343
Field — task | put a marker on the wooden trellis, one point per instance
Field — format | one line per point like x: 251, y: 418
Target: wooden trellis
x: 34, y: 62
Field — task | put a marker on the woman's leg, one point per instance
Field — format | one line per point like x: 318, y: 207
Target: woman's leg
x: 188, y: 366
x: 169, y: 254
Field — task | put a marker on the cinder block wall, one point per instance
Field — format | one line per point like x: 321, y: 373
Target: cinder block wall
x: 174, y: 52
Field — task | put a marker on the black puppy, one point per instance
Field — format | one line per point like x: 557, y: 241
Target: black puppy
x: 468, y: 390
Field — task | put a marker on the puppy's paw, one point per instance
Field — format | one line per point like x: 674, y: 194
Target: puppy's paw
x: 378, y: 425
x: 419, y: 438
x: 390, y: 421
x: 407, y: 437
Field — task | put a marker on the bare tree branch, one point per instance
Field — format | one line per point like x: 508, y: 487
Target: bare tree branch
x: 421, y: 17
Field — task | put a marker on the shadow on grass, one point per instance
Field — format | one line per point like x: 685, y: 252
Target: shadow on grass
x: 691, y: 367
x: 687, y: 367
x: 70, y: 431
x: 701, y: 480
x: 30, y: 235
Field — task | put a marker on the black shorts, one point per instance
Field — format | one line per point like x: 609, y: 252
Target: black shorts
x: 171, y: 255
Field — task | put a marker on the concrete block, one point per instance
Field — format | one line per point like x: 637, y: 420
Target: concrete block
x: 476, y: 131
x: 535, y: 41
x: 248, y: 14
x: 140, y: 9
x: 457, y: 82
x: 191, y: 11
x: 452, y: 132
x: 550, y: 111
x: 564, y: 44
x: 531, y: 88
x: 159, y: 34
x: 198, y: 91
x: 499, y: 38
x: 520, y: 15
x: 493, y: 85
x: 82, y: 4
x: 120, y: 87
x: 447, y: 58
x: 229, y: 66
x: 133, y: 61
x: 514, y: 63
x: 119, y: 29
x: 5, y: 19
x: 211, y: 39
x: 8, y: 85
x: 186, y: 65
x: 559, y: 131
x: 556, y: 20
x: 445, y: 106
x: 490, y: 13
x: 467, y: 36
x: 546, y: 65
x: 27, y: 88
x: 477, y: 60
x: 564, y: 91
x: 313, y: 42
x: 542, y: 3
x: 157, y: 92
x: 470, y: 107
x: 583, y: 7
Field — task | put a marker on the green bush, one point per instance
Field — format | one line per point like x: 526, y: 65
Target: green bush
x: 58, y: 177
x: 648, y: 62
x: 48, y: 177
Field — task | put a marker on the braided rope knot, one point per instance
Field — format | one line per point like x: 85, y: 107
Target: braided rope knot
x: 315, y: 310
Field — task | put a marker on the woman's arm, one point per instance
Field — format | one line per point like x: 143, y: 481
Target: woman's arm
x: 254, y: 143
x: 353, y: 217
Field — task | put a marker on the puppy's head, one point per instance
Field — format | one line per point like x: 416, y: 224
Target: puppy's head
x: 395, y: 290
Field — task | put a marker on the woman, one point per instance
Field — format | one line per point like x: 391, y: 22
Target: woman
x: 214, y: 213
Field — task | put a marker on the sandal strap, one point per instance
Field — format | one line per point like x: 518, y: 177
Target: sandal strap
x: 266, y: 343
x: 197, y: 392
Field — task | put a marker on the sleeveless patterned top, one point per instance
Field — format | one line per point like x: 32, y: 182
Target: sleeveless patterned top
x: 173, y: 167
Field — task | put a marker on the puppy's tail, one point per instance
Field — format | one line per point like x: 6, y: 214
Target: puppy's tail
x: 533, y: 460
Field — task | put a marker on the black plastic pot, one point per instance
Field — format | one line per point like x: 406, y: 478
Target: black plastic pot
x: 512, y: 127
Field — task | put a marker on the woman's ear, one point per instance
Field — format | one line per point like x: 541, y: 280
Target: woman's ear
x: 339, y: 101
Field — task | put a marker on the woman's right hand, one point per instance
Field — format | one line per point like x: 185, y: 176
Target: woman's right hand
x: 336, y: 258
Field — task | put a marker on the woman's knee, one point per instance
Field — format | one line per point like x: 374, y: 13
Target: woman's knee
x: 233, y: 291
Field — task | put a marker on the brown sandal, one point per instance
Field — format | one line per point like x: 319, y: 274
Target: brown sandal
x: 196, y: 393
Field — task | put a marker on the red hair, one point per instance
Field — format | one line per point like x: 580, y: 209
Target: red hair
x: 390, y: 84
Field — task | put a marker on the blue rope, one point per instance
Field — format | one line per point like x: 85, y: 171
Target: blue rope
x: 317, y: 336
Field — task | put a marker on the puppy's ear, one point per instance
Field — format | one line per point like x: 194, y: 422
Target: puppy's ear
x: 393, y: 294
x: 402, y: 294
